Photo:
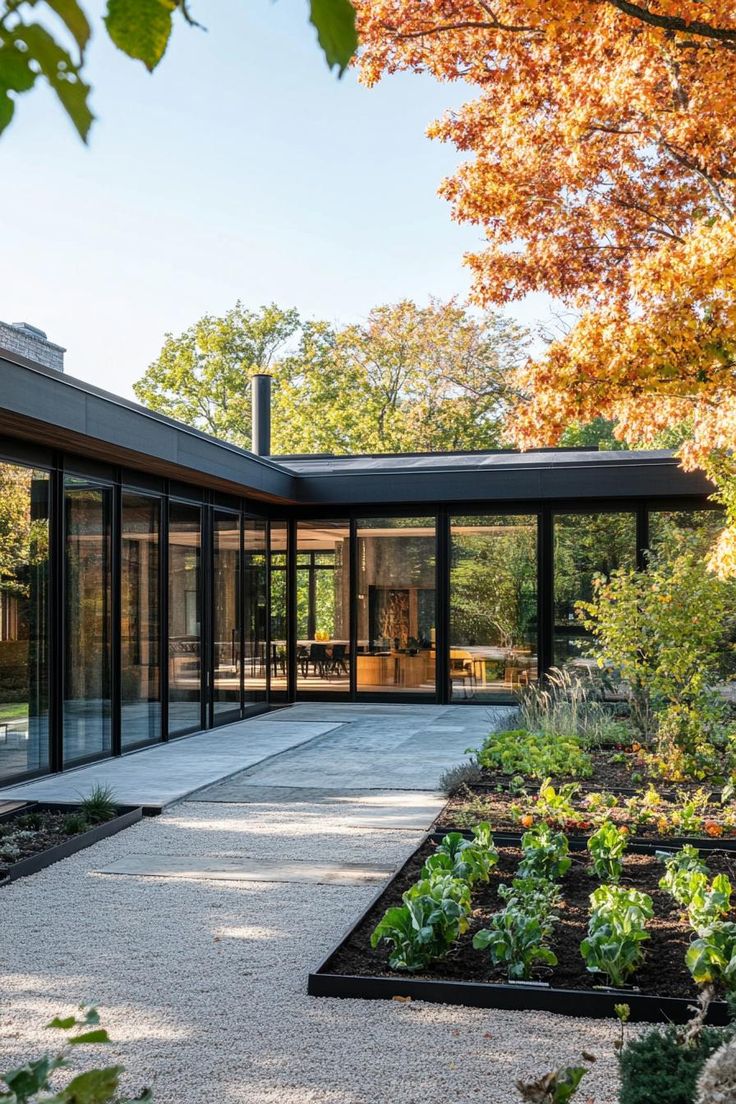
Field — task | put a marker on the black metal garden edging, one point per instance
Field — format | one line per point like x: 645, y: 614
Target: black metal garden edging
x: 130, y: 814
x: 596, y: 1003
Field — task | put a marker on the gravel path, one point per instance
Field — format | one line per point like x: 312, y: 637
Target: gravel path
x: 202, y: 984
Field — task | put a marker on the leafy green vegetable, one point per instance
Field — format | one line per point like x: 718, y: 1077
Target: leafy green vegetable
x: 711, y: 958
x: 684, y: 873
x: 709, y: 903
x: 471, y: 860
x: 545, y: 853
x: 435, y: 912
x: 616, y: 931
x: 606, y: 847
x: 534, y: 755
x: 516, y: 939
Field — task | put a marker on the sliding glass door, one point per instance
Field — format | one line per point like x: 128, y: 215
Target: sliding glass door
x: 226, y: 642
x: 140, y: 620
x: 185, y: 617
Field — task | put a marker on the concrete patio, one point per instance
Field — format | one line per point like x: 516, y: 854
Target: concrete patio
x: 324, y: 748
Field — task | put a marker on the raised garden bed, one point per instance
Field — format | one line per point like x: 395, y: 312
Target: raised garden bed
x: 664, y: 990
x: 42, y: 846
x: 713, y: 825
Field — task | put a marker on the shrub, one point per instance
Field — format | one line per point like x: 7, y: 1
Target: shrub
x: 659, y: 1068
x: 662, y: 629
x: 717, y: 1081
x: 534, y: 755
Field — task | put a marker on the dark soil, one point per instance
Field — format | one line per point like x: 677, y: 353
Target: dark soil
x: 663, y: 972
x: 478, y: 803
x: 20, y: 838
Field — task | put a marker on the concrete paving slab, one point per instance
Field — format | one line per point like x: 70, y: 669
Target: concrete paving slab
x: 219, y: 869
x: 158, y: 775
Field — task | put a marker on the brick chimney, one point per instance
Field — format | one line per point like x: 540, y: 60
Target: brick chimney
x: 30, y: 342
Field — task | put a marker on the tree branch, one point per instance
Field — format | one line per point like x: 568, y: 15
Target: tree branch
x: 725, y: 35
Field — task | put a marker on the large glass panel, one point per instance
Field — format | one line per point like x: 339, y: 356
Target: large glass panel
x: 323, y: 605
x: 493, y: 605
x: 672, y: 532
x: 185, y: 617
x: 140, y: 620
x: 226, y: 598
x: 585, y: 545
x: 278, y: 658
x: 88, y: 619
x: 256, y: 609
x: 396, y: 605
x: 24, y: 553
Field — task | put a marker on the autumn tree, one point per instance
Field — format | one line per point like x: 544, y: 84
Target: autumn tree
x: 601, y: 165
x: 408, y: 378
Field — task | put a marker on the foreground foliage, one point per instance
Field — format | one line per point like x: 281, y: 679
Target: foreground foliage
x: 31, y: 1083
x: 139, y: 28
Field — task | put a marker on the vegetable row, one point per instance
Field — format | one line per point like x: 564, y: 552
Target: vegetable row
x: 436, y: 910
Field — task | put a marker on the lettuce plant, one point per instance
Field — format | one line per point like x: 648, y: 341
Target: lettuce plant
x: 434, y: 913
x: 709, y: 903
x: 606, y: 847
x: 684, y: 873
x: 616, y: 931
x: 545, y: 853
x: 534, y: 755
x: 516, y: 939
x: 711, y: 958
x: 470, y: 860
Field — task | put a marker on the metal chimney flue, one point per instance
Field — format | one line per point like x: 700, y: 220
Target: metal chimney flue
x: 261, y: 404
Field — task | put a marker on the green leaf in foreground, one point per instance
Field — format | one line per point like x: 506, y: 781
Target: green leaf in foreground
x: 59, y: 70
x: 140, y: 28
x: 335, y: 23
x: 74, y: 18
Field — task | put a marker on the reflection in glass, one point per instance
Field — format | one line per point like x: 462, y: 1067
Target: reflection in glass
x: 256, y: 609
x: 493, y: 605
x: 226, y: 594
x: 585, y: 545
x: 278, y: 659
x: 396, y: 604
x: 322, y: 605
x: 88, y: 624
x: 185, y: 617
x: 140, y: 681
x: 24, y: 552
x: 672, y: 532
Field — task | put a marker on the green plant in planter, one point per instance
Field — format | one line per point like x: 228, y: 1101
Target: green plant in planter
x: 470, y: 860
x: 711, y: 958
x: 606, y: 847
x: 709, y: 903
x: 545, y: 853
x: 616, y: 931
x: 684, y: 875
x: 31, y: 1083
x: 534, y: 755
x: 74, y: 823
x: 99, y: 805
x: 516, y: 938
x: 435, y: 912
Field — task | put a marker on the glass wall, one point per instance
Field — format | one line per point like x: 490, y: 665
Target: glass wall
x: 672, y: 532
x: 323, y: 605
x: 585, y: 545
x: 396, y: 632
x: 277, y: 660
x: 493, y: 605
x: 226, y: 615
x: 185, y: 617
x: 88, y: 619
x: 256, y: 608
x: 24, y: 580
x: 140, y: 620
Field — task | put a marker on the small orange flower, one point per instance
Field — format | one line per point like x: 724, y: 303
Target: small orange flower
x: 636, y: 746
x: 624, y: 830
x: 527, y: 821
x: 713, y: 828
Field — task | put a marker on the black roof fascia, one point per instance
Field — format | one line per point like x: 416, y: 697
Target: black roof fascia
x: 636, y: 476
x: 55, y: 409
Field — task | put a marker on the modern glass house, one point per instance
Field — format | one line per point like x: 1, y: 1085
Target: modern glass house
x: 155, y: 581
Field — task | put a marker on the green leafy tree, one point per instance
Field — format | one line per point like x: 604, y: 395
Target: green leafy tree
x: 409, y: 378
x: 140, y: 28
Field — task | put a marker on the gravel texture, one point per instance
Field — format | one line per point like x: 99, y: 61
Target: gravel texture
x: 203, y: 984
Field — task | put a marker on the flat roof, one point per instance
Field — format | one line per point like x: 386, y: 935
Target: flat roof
x: 57, y: 411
